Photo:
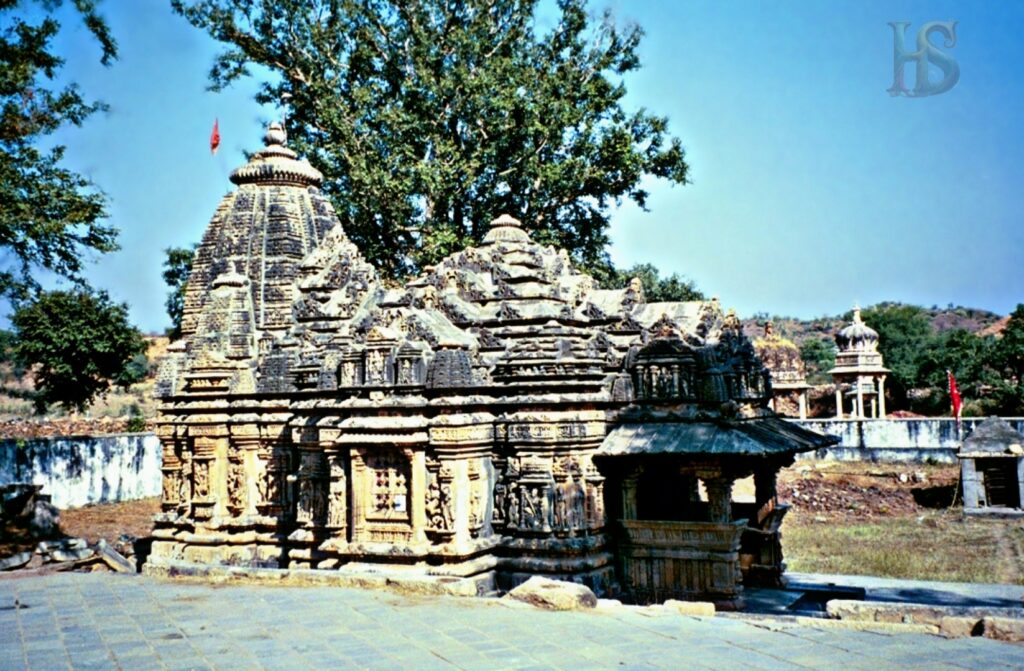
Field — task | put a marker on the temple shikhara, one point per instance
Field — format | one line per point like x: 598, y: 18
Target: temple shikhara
x: 495, y: 418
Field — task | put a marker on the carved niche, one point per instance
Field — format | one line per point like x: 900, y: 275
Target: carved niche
x: 440, y: 506
x: 311, y: 504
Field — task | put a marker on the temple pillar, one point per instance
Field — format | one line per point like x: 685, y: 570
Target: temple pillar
x: 839, y: 400
x: 881, y: 397
x: 860, y: 398
x: 719, y: 499
x: 629, y: 495
x: 874, y: 408
x: 802, y: 400
x: 418, y: 497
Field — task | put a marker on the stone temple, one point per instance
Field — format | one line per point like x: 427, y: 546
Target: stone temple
x: 497, y: 417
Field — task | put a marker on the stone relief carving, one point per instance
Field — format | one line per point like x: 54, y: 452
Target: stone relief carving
x: 236, y: 485
x: 337, y: 509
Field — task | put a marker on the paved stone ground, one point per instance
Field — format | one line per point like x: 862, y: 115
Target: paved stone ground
x: 110, y: 621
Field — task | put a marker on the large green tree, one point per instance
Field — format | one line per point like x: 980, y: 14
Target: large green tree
x: 50, y: 217
x: 78, y: 344
x: 1008, y: 360
x: 819, y: 357
x: 966, y: 355
x: 430, y: 117
x: 903, y: 331
x: 657, y: 288
x: 177, y: 267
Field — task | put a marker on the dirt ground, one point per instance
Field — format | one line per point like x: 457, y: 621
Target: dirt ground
x: 110, y: 520
x: 858, y: 491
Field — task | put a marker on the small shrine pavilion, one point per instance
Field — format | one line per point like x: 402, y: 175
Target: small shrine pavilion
x: 859, y: 374
x: 992, y: 468
x: 495, y: 418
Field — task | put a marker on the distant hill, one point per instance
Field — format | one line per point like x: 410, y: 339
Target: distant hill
x: 974, y: 320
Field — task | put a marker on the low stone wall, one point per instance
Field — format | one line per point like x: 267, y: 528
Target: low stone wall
x: 907, y: 440
x: 78, y: 470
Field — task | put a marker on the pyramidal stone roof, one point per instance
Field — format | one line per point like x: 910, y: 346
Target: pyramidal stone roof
x: 280, y: 301
x: 262, y: 231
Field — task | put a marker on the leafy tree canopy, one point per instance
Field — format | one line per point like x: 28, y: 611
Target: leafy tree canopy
x: 1008, y: 361
x: 903, y: 330
x: 177, y: 267
x: 51, y: 216
x: 656, y: 288
x: 429, y: 118
x: 77, y: 343
x: 819, y: 357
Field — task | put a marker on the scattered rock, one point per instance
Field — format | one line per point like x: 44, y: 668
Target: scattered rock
x: 1003, y: 628
x: 15, y: 561
x: 45, y: 519
x: 71, y: 555
x: 699, y: 608
x: 554, y: 594
x: 113, y: 558
x: 960, y: 627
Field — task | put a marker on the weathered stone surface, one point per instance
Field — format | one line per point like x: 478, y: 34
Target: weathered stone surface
x: 71, y: 554
x: 862, y: 625
x: 699, y: 608
x: 960, y: 627
x: 951, y: 621
x: 15, y: 561
x: 1003, y: 628
x: 113, y: 558
x: 45, y: 519
x: 554, y: 594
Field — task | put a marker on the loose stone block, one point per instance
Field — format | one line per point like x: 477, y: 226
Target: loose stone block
x: 698, y: 608
x: 1003, y: 629
x: 554, y: 594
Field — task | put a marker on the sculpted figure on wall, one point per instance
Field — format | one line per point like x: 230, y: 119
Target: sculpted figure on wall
x: 337, y: 513
x: 236, y: 485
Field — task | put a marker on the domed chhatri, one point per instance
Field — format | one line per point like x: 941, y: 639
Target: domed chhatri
x: 857, y: 336
x: 859, y: 374
x: 497, y: 417
x: 782, y: 358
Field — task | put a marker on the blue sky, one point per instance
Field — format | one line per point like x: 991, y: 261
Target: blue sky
x: 812, y: 186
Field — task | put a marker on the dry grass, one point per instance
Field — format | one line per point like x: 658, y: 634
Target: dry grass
x: 932, y: 545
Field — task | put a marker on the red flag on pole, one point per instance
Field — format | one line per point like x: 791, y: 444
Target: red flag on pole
x: 214, y: 138
x: 954, y: 396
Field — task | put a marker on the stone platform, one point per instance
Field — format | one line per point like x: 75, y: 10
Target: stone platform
x: 109, y: 621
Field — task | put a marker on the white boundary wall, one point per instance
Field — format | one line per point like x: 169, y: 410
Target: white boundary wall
x: 79, y: 470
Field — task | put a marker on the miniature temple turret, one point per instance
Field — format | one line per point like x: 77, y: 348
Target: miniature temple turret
x: 782, y: 358
x: 497, y: 417
x: 859, y: 374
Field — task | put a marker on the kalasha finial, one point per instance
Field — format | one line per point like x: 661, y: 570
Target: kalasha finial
x: 275, y: 134
x: 276, y: 163
x: 506, y: 228
x: 856, y: 313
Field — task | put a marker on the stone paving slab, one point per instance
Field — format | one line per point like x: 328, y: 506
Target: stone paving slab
x: 113, y: 621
